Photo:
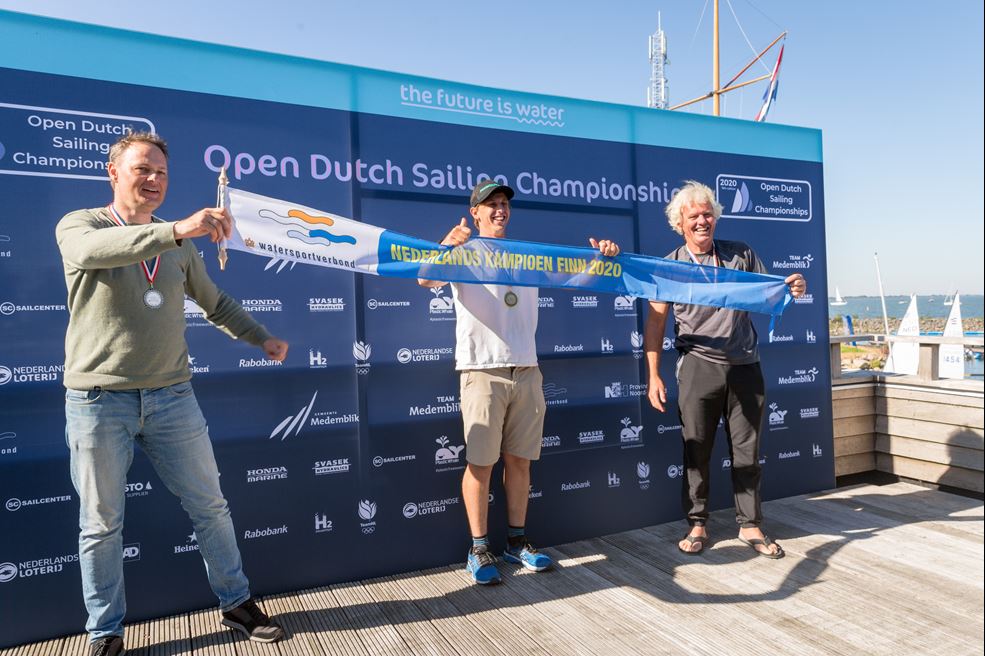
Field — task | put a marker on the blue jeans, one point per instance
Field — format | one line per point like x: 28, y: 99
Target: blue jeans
x: 101, y: 427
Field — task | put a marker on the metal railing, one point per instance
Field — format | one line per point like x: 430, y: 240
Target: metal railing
x: 929, y: 358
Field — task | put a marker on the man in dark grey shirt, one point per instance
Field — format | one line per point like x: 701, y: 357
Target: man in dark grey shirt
x: 718, y: 373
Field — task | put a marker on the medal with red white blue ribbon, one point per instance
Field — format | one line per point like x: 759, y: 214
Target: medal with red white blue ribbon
x: 153, y: 298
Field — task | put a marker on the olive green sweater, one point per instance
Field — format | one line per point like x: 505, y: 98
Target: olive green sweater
x: 113, y: 340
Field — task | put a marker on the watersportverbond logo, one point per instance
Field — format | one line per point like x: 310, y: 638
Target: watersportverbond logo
x: 447, y: 456
x: 643, y: 475
x: 806, y: 299
x: 264, y: 474
x: 379, y: 461
x: 366, y: 511
x: 7, y: 308
x: 31, y: 373
x: 794, y: 262
x: 550, y: 441
x: 196, y: 368
x: 191, y: 544
x: 777, y: 417
x: 406, y: 355
x: 323, y: 524
x: 591, y: 437
x: 376, y: 304
x: 620, y: 390
x: 545, y: 302
x: 138, y: 489
x: 578, y: 485
x: 810, y: 413
x: 583, y: 302
x: 14, y: 504
x: 441, y: 307
x: 329, y: 467
x: 414, y: 509
x: 443, y: 405
x: 786, y: 455
x: 4, y: 251
x: 636, y: 342
x: 554, y: 394
x: 7, y: 445
x: 569, y: 348
x: 624, y: 306
x: 361, y: 352
x: 629, y: 436
x: 35, y: 567
x: 262, y: 305
x: 780, y: 338
x: 799, y: 376
x: 267, y: 532
x: 326, y: 304
x: 664, y: 428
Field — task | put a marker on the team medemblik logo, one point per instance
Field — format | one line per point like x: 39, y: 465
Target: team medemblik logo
x: 799, y: 376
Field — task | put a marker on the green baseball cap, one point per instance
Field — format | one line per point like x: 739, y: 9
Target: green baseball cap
x: 487, y: 188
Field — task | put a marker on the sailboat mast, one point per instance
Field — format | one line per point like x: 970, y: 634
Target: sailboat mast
x: 882, y: 297
x: 715, y: 72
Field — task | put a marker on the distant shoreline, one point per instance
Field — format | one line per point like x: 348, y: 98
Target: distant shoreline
x: 871, y: 326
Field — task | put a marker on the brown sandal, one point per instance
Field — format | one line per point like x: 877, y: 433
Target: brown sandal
x: 691, y: 540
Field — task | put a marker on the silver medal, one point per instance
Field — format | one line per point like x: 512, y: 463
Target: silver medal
x: 510, y: 299
x: 153, y: 298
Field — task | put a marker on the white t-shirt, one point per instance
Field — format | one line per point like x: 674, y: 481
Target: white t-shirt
x: 488, y: 332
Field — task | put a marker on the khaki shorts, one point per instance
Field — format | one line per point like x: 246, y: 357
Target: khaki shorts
x: 503, y: 411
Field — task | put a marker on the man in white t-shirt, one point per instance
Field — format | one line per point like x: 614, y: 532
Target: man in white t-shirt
x: 501, y: 389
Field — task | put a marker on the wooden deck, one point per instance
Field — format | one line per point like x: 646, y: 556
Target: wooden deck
x: 893, y: 569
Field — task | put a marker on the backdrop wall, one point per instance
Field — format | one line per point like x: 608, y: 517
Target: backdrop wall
x: 354, y: 444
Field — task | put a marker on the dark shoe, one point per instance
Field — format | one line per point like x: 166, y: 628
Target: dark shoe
x: 248, y: 619
x: 108, y: 646
x: 692, y: 540
x: 756, y: 543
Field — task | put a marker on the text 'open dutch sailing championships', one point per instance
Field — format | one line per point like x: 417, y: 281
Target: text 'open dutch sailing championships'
x: 276, y: 228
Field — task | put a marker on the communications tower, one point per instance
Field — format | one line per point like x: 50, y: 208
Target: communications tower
x: 656, y: 95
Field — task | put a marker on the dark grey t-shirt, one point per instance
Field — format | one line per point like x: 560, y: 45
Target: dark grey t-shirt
x: 718, y: 334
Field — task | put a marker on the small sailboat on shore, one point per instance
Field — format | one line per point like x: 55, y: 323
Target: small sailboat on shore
x: 838, y: 299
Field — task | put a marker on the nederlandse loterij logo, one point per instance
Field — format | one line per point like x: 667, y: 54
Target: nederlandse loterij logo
x: 675, y: 471
x: 8, y: 572
x: 294, y: 422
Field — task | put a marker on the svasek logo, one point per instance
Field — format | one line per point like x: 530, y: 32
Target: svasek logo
x: 328, y: 467
x: 326, y: 304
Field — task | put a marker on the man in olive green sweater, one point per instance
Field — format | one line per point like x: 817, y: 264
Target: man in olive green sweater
x: 127, y: 380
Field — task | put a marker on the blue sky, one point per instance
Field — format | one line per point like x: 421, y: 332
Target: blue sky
x: 896, y: 88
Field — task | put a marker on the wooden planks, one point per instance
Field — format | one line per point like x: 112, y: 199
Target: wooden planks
x: 874, y: 570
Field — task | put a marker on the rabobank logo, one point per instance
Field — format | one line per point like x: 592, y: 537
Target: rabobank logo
x: 366, y: 511
x: 361, y: 351
x: 295, y: 422
x: 441, y: 307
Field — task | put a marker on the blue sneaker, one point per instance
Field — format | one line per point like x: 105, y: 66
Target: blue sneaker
x: 481, y: 566
x: 527, y: 555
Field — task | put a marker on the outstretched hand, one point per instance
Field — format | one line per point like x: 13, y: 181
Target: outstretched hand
x: 458, y: 235
x: 275, y: 349
x: 605, y: 247
x: 212, y: 222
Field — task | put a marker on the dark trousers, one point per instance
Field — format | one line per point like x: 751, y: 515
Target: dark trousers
x: 735, y: 393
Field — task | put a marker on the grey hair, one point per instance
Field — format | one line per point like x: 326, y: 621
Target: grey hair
x: 692, y: 192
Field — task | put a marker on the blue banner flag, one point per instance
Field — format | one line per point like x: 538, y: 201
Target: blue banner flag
x: 276, y: 228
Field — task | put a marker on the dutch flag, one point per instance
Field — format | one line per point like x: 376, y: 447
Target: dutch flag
x: 770, y: 94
